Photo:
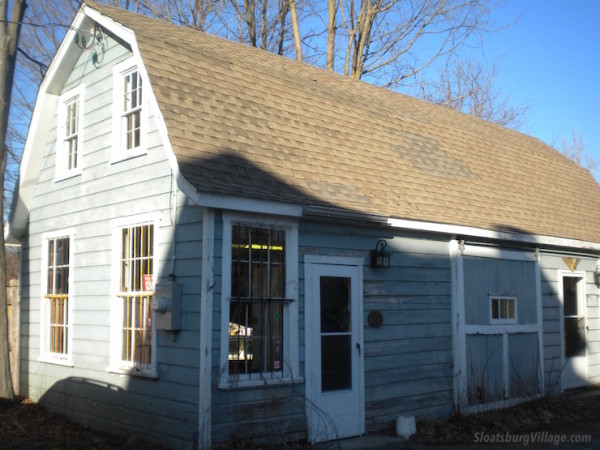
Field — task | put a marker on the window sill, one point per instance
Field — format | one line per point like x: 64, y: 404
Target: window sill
x: 66, y: 176
x: 67, y: 362
x: 124, y: 155
x: 231, y: 385
x: 133, y: 372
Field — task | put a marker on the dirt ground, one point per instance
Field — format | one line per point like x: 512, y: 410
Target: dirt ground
x: 25, y: 424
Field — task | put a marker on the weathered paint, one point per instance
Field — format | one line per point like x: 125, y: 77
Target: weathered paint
x: 164, y: 409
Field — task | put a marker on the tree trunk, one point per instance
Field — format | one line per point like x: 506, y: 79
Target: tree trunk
x: 296, y: 30
x: 331, y: 35
x: 9, y: 35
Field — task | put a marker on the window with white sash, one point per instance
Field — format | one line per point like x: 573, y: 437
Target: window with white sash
x: 56, y: 302
x: 133, y: 333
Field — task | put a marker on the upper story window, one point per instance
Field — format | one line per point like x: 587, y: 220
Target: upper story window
x: 129, y: 112
x: 133, y: 332
x: 56, y: 304
x: 132, y: 110
x: 259, y: 284
x: 69, y: 133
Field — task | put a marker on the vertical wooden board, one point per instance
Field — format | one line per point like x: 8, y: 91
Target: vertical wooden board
x: 485, y: 277
x: 485, y: 368
x: 524, y: 365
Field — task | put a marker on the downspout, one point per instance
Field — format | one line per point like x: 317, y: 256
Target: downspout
x: 206, y: 307
x: 173, y: 212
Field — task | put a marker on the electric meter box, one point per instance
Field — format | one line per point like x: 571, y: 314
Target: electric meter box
x: 167, y: 306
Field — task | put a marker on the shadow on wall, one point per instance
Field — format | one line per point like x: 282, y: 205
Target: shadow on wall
x: 150, y: 406
x: 108, y: 407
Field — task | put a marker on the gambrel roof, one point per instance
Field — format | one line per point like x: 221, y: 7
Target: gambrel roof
x: 247, y: 123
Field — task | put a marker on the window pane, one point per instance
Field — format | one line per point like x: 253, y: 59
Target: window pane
x: 503, y: 309
x: 336, y: 361
x: 570, y: 295
x: 574, y: 337
x: 335, y: 304
x: 495, y: 309
x: 277, y: 281
x: 239, y: 280
x: 511, y: 308
x: 257, y: 275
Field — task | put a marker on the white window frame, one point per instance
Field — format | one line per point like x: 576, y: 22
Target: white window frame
x: 117, y: 364
x: 46, y: 355
x: 119, y: 150
x: 500, y: 299
x: 290, y: 371
x: 62, y: 170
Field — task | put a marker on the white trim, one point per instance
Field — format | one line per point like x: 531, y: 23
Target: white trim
x: 60, y: 171
x: 582, y: 302
x: 241, y: 204
x: 117, y: 365
x: 45, y: 355
x: 290, y: 366
x: 466, y: 231
x: 120, y: 70
x: 501, y: 329
x: 482, y: 251
x: 540, y: 321
x: 335, y: 260
x: 353, y: 268
x: 459, y: 338
x: 206, y: 329
x: 483, y: 407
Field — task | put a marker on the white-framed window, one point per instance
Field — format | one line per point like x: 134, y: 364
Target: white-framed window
x: 69, y: 133
x: 56, y: 307
x: 259, y: 304
x: 134, y: 272
x: 503, y: 310
x: 129, y: 112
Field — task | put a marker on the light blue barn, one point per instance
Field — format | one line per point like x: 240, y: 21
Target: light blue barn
x: 218, y: 241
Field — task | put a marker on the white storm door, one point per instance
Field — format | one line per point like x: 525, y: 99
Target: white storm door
x: 574, y: 373
x: 334, y: 351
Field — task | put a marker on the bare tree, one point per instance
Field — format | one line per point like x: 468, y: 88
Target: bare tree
x: 575, y: 150
x: 9, y: 38
x: 470, y: 87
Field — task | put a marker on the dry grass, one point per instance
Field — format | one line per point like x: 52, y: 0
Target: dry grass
x: 25, y: 424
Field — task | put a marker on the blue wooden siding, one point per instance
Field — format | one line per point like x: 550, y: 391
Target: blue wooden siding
x: 524, y: 365
x: 264, y: 413
x: 408, y: 359
x: 486, y: 276
x: 165, y: 409
x: 485, y: 368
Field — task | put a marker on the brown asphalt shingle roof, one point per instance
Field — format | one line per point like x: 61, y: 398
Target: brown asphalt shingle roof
x: 250, y: 123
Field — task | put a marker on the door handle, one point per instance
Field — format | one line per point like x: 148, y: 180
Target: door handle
x: 358, y: 347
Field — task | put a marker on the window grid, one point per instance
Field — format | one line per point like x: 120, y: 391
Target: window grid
x: 70, y: 143
x: 132, y: 108
x: 258, y: 296
x: 136, y: 293
x: 57, y: 296
x: 503, y: 309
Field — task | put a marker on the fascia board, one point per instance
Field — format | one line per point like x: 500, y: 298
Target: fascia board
x: 481, y: 233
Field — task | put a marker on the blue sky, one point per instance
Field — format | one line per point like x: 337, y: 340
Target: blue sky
x: 551, y: 59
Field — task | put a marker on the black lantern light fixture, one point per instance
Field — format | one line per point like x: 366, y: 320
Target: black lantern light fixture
x: 597, y: 276
x: 379, y: 257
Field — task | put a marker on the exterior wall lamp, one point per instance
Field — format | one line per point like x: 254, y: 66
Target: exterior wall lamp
x: 597, y: 276
x: 379, y: 257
